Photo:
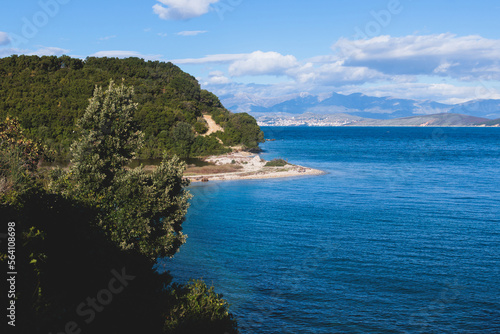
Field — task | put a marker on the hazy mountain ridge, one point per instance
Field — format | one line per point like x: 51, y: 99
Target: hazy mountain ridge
x: 445, y: 119
x: 362, y: 106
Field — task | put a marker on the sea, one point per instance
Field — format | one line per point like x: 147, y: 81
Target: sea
x: 401, y: 235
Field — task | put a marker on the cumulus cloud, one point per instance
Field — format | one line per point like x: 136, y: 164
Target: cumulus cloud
x: 191, y: 32
x: 217, y: 78
x: 182, y: 9
x: 4, y: 38
x: 379, y: 59
x: 465, y: 58
x: 445, y: 68
x: 321, y: 70
x: 125, y: 54
x: 334, y: 73
x: 263, y: 63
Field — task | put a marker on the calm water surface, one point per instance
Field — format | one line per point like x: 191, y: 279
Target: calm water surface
x: 401, y: 236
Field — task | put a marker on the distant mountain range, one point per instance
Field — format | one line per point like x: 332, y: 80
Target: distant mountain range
x: 358, y: 105
x: 447, y: 119
x: 375, y: 109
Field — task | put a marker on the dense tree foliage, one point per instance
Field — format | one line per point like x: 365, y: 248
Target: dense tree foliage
x: 48, y: 94
x: 19, y: 158
x: 87, y: 236
x: 240, y: 129
x: 138, y: 210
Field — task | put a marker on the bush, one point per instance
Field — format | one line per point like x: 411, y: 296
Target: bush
x: 277, y: 163
x: 200, y: 127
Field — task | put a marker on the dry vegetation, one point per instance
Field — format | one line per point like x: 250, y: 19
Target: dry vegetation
x: 213, y: 169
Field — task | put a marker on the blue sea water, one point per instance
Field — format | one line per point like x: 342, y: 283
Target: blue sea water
x: 402, y: 235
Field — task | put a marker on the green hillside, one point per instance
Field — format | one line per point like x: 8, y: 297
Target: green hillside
x: 48, y: 94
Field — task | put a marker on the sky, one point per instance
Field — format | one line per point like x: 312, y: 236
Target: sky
x: 446, y: 51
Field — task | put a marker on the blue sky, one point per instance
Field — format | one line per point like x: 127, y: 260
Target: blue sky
x: 440, y: 50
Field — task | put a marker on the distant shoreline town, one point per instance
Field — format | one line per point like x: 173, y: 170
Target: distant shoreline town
x: 319, y: 120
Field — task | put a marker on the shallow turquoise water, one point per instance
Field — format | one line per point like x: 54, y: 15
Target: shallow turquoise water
x: 401, y: 236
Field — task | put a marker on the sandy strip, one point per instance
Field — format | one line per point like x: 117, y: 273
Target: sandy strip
x: 304, y: 171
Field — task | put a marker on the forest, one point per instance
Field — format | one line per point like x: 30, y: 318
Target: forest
x: 48, y: 94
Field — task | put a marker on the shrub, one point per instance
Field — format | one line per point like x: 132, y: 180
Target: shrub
x: 276, y: 163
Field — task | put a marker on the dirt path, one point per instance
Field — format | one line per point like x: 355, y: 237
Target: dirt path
x: 212, y: 126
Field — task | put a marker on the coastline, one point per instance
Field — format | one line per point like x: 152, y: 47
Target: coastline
x: 246, y: 166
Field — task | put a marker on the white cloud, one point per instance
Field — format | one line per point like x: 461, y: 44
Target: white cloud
x: 335, y: 73
x: 263, y: 63
x: 182, y: 9
x: 465, y: 58
x: 191, y: 33
x: 49, y: 51
x: 217, y: 78
x: 444, y: 68
x: 162, y: 34
x: 320, y: 70
x: 217, y: 58
x: 42, y: 51
x: 440, y: 92
x: 241, y: 64
x: 374, y: 61
x: 4, y: 38
x: 125, y: 54
x: 6, y: 52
